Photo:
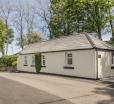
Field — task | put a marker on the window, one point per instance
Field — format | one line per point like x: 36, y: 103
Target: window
x: 69, y: 59
x: 25, y: 61
x: 99, y: 56
x: 113, y: 59
x: 43, y: 60
x: 33, y: 61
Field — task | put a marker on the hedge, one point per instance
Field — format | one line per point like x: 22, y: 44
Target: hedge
x: 38, y: 62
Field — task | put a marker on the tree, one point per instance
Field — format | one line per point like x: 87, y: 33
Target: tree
x: 34, y: 37
x: 19, y: 41
x: 78, y: 16
x: 19, y: 23
x: 96, y: 15
x: 2, y: 33
x: 30, y: 17
x: 5, y: 36
x: 44, y: 13
x: 57, y: 20
x: 111, y: 17
x: 5, y: 15
x: 8, y: 38
x: 6, y: 12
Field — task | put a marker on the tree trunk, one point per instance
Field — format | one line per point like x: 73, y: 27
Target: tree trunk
x: 21, y: 33
x: 99, y: 33
x: 50, y: 33
x: 111, y: 24
x: 6, y: 21
x: 22, y: 42
x: 3, y: 52
x: 98, y: 29
x: 6, y: 48
x: 68, y: 28
x: 112, y: 29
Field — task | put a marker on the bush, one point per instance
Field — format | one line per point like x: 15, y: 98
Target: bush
x: 14, y: 64
x: 7, y: 60
x: 2, y: 65
x: 38, y: 62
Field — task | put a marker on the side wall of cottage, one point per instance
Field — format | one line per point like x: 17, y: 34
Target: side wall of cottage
x: 21, y: 63
x: 105, y: 64
x: 84, y: 63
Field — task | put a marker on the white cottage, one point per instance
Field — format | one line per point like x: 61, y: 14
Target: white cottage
x: 80, y: 55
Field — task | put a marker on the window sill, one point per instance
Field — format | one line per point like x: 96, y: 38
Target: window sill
x: 68, y: 67
x: 25, y: 65
x: 32, y: 65
x: 112, y: 67
x: 43, y: 66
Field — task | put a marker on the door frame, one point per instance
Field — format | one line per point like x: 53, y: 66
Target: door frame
x: 99, y: 58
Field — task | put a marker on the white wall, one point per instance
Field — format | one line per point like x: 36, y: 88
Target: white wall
x: 20, y: 63
x: 84, y: 62
x: 106, y: 62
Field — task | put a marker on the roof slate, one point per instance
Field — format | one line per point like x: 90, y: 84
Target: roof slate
x: 73, y: 42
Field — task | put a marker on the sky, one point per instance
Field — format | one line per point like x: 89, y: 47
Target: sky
x: 13, y: 48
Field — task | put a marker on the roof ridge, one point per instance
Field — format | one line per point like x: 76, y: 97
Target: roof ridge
x: 103, y: 42
x: 90, y: 40
x: 107, y: 45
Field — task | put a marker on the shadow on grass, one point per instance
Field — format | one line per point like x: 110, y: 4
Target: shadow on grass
x: 108, y: 90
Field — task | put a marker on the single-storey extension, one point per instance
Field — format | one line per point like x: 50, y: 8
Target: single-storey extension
x: 80, y: 55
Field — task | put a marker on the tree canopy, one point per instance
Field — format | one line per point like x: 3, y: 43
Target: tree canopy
x: 70, y: 16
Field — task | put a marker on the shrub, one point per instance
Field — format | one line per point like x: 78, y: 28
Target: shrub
x: 7, y: 60
x: 38, y: 62
x: 14, y: 64
x: 2, y: 65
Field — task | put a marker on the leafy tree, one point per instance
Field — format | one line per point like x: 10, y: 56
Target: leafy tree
x: 111, y: 16
x: 20, y: 42
x: 33, y: 37
x: 3, y: 32
x: 96, y: 16
x: 78, y: 16
x: 6, y: 37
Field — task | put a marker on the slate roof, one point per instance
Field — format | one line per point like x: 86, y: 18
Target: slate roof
x: 73, y: 42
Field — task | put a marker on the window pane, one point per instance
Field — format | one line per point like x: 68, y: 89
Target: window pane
x: 44, y: 57
x: 69, y: 61
x: 112, y: 58
x: 43, y: 60
x: 25, y: 60
x: 33, y: 60
x: 69, y: 55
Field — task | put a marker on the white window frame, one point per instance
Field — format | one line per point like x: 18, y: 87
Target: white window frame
x: 112, y: 59
x: 25, y: 60
x: 43, y: 60
x: 66, y: 58
x: 33, y: 60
